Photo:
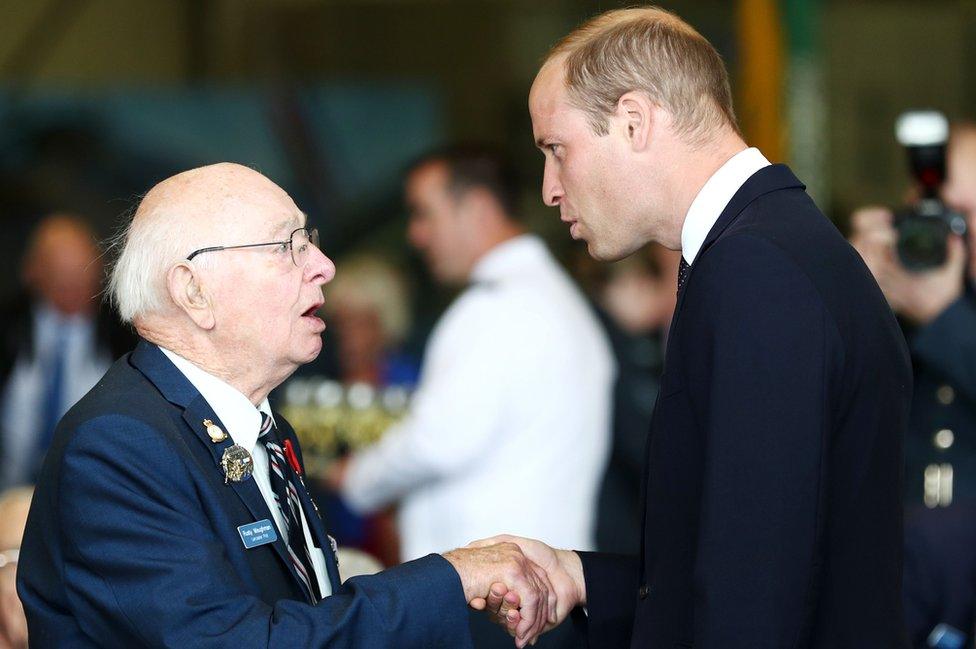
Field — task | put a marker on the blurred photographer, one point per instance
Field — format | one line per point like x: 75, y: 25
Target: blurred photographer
x: 927, y: 280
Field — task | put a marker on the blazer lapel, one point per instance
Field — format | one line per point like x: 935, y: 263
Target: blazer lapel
x: 178, y: 390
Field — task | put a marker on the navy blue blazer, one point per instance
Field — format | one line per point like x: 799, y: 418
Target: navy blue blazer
x: 132, y: 540
x: 772, y: 504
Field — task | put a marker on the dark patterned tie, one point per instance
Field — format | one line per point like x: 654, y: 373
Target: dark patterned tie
x: 683, y: 268
x: 286, y: 495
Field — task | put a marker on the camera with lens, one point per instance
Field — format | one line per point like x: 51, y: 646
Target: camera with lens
x: 924, y: 227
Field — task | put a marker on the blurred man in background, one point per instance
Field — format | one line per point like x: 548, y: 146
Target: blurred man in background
x: 509, y: 427
x: 55, y: 342
x: 938, y: 312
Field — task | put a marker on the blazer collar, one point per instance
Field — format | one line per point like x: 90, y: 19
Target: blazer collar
x: 768, y: 179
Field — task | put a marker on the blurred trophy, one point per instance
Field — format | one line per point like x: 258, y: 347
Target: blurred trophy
x: 332, y: 419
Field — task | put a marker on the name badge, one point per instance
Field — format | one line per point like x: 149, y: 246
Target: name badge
x: 259, y: 533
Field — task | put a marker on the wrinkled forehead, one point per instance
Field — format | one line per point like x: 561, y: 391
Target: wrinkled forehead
x: 269, y: 218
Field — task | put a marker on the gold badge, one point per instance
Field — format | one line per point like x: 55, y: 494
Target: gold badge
x: 216, y: 435
x: 236, y: 463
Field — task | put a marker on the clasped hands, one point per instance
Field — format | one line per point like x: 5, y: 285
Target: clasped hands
x: 524, y: 585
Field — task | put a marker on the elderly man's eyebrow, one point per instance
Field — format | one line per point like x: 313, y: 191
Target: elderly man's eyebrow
x: 289, y: 225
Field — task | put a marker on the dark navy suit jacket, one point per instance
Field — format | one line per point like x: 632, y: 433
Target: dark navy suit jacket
x: 132, y: 540
x: 772, y: 505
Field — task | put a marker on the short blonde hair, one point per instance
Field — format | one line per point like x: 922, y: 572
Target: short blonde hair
x: 651, y: 50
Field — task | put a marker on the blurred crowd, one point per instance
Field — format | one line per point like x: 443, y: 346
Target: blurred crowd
x: 561, y: 366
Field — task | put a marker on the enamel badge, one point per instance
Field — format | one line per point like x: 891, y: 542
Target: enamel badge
x: 214, y: 431
x: 236, y: 463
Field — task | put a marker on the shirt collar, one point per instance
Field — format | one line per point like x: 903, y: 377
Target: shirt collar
x: 714, y: 196
x: 48, y: 317
x: 507, y: 257
x: 235, y: 411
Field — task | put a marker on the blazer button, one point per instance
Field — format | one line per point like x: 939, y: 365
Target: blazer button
x: 943, y: 439
x: 643, y: 591
x: 945, y: 394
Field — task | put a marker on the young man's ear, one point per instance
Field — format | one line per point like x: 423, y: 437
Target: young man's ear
x: 636, y: 114
x: 189, y: 295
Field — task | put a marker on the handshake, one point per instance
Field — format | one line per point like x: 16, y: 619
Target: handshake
x: 524, y: 585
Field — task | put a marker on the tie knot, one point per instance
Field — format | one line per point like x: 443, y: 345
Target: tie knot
x: 267, y: 425
x: 683, y: 268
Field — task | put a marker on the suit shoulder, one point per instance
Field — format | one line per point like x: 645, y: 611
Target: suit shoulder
x: 122, y: 399
x: 746, y: 263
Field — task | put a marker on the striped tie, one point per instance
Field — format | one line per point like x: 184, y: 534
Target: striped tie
x: 286, y: 496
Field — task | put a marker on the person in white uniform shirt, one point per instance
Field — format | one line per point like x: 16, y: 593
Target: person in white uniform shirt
x: 509, y: 426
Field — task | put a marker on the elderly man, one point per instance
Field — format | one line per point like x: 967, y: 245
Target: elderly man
x: 772, y: 483
x: 171, y: 509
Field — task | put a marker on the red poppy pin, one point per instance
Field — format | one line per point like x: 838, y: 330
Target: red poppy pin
x: 292, y: 457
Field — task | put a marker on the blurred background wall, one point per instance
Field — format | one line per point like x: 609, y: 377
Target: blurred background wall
x: 99, y: 99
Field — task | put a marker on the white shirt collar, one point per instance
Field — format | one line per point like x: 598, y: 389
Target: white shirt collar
x: 714, y: 196
x: 509, y: 257
x: 235, y: 411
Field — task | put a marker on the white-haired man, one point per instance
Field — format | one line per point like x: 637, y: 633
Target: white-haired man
x: 171, y: 509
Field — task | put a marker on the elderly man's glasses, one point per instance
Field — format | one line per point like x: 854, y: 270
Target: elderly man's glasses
x: 297, y: 243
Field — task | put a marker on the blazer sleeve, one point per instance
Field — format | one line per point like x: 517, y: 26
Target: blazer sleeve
x: 611, y: 593
x: 142, y: 566
x: 758, y: 361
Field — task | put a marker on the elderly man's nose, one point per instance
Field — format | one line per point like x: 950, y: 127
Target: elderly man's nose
x: 319, y: 269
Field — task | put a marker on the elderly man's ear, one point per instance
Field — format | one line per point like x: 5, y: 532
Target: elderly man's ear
x: 186, y: 290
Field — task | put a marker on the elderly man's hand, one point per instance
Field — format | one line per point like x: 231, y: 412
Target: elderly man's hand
x: 13, y: 623
x: 918, y: 296
x: 565, y: 572
x: 504, y: 567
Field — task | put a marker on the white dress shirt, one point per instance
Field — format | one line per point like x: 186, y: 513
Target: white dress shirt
x: 24, y: 393
x: 714, y: 196
x: 243, y: 422
x: 509, y: 429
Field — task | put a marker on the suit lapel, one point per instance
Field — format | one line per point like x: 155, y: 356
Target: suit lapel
x: 177, y: 389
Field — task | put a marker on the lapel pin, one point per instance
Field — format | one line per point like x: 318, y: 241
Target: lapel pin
x: 216, y: 434
x: 335, y: 548
x: 236, y: 463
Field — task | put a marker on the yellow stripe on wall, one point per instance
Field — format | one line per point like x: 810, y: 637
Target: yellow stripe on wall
x: 759, y: 100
